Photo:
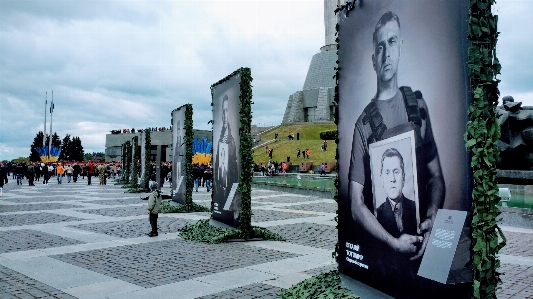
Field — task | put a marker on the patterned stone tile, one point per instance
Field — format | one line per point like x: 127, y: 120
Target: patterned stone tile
x: 252, y: 291
x: 159, y: 263
x: 518, y: 244
x: 117, y: 212
x: 317, y: 271
x: 308, y: 234
x: 118, y: 201
x: 285, y: 199
x: 15, y: 285
x: 268, y: 215
x: 316, y: 207
x: 517, y: 281
x: 135, y: 228
x: 36, y: 207
x: 30, y: 219
x: 25, y: 239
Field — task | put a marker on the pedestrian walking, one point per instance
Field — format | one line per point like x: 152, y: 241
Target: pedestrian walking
x: 208, y: 176
x: 90, y: 171
x: 196, y: 174
x: 44, y: 171
x: 322, y: 169
x: 76, y: 172
x: 154, y: 207
x: 30, y: 174
x: 298, y: 153
x: 101, y: 173
x: 19, y: 173
x: 60, y: 171
x: 3, y: 177
x: 69, y: 171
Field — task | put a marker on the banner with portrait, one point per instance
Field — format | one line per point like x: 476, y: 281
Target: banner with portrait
x: 179, y: 173
x: 226, y: 158
x: 402, y: 96
x: 142, y: 144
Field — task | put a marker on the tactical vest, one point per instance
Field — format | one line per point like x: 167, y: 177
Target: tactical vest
x: 424, y: 150
x: 373, y: 118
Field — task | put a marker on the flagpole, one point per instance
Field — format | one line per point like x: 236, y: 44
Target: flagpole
x: 44, y: 131
x: 51, y: 114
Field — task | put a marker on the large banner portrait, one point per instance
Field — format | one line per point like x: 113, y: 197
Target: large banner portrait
x: 403, y: 93
x: 142, y: 144
x: 179, y: 173
x: 226, y: 158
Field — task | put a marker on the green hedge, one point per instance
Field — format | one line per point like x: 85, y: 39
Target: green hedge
x: 482, y: 133
x: 329, y: 135
x: 147, y: 159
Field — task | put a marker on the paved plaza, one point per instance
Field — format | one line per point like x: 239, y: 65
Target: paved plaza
x: 79, y: 241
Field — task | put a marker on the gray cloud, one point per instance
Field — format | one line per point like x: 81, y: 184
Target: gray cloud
x: 120, y: 64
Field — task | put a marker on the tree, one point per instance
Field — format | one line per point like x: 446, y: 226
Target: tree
x: 37, y: 142
x: 76, y: 150
x: 56, y: 141
x: 66, y: 148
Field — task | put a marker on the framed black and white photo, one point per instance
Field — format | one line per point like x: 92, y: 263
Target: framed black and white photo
x: 395, y: 184
x: 226, y: 157
x: 179, y: 173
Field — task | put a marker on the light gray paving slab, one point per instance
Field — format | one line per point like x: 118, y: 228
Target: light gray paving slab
x: 186, y: 216
x: 287, y: 247
x: 64, y: 249
x: 102, y: 289
x: 76, y: 234
x: 17, y: 255
x: 55, y: 273
x: 105, y: 244
x: 284, y: 267
x: 187, y: 289
x: 288, y: 280
x: 319, y: 259
x: 294, y: 221
x: 77, y: 214
x: 146, y: 239
x: 516, y: 229
x: 516, y: 260
x: 236, y: 278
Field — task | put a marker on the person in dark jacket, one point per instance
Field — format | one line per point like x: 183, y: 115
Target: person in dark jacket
x: 44, y: 172
x: 154, y: 208
x: 19, y: 170
x: 208, y: 176
x: 76, y: 172
x: 30, y: 174
x: 3, y: 177
x: 196, y: 175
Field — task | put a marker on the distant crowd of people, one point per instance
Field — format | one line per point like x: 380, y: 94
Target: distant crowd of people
x: 132, y: 130
x: 72, y: 171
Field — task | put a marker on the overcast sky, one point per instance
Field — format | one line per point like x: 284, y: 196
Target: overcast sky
x: 115, y: 64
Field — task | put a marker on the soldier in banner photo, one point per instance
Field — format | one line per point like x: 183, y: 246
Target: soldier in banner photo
x: 392, y: 111
x: 227, y: 167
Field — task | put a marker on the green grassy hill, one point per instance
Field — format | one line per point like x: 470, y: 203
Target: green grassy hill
x: 309, y: 139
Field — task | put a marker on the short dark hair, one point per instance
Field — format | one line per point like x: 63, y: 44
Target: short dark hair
x: 389, y: 16
x: 392, y: 152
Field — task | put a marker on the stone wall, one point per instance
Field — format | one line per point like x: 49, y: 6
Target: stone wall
x: 322, y: 105
x: 294, y: 111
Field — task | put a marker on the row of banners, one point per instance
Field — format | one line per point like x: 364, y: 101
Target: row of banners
x: 402, y: 98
